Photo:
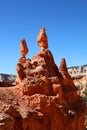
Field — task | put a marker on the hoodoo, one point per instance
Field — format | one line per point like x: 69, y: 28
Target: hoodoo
x: 44, y: 98
x: 42, y: 39
x: 23, y: 48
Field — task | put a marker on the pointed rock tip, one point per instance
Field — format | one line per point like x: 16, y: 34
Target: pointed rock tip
x: 42, y: 39
x: 63, y: 64
x: 23, y: 47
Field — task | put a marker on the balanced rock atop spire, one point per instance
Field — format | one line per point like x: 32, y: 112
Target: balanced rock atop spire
x: 23, y: 48
x: 42, y: 39
x: 44, y: 98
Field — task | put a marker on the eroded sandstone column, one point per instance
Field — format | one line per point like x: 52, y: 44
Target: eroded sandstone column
x: 23, y: 48
x: 23, y: 62
x: 42, y: 39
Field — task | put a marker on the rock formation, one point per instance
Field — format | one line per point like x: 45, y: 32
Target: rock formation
x: 79, y: 76
x: 7, y: 80
x: 42, y: 39
x: 23, y: 48
x: 66, y: 80
x: 78, y: 71
x: 44, y: 97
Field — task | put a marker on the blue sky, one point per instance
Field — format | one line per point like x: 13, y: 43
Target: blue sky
x: 66, y: 27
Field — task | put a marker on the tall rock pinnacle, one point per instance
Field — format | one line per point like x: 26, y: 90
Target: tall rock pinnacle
x: 67, y: 80
x: 23, y: 48
x: 44, y: 97
x: 63, y: 67
x: 42, y: 39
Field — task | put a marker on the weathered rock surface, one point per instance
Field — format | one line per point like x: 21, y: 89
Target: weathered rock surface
x: 79, y: 76
x: 44, y: 97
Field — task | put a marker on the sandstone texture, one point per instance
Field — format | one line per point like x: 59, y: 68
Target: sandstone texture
x: 44, y: 97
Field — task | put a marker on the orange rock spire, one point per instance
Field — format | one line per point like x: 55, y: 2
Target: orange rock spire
x: 44, y: 98
x: 23, y: 48
x: 63, y: 65
x: 42, y: 39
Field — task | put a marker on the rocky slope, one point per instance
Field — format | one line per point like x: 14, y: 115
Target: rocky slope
x: 44, y: 96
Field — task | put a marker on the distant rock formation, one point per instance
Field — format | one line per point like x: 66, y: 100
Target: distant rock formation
x: 7, y: 80
x: 79, y: 75
x: 44, y: 97
x: 78, y: 72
